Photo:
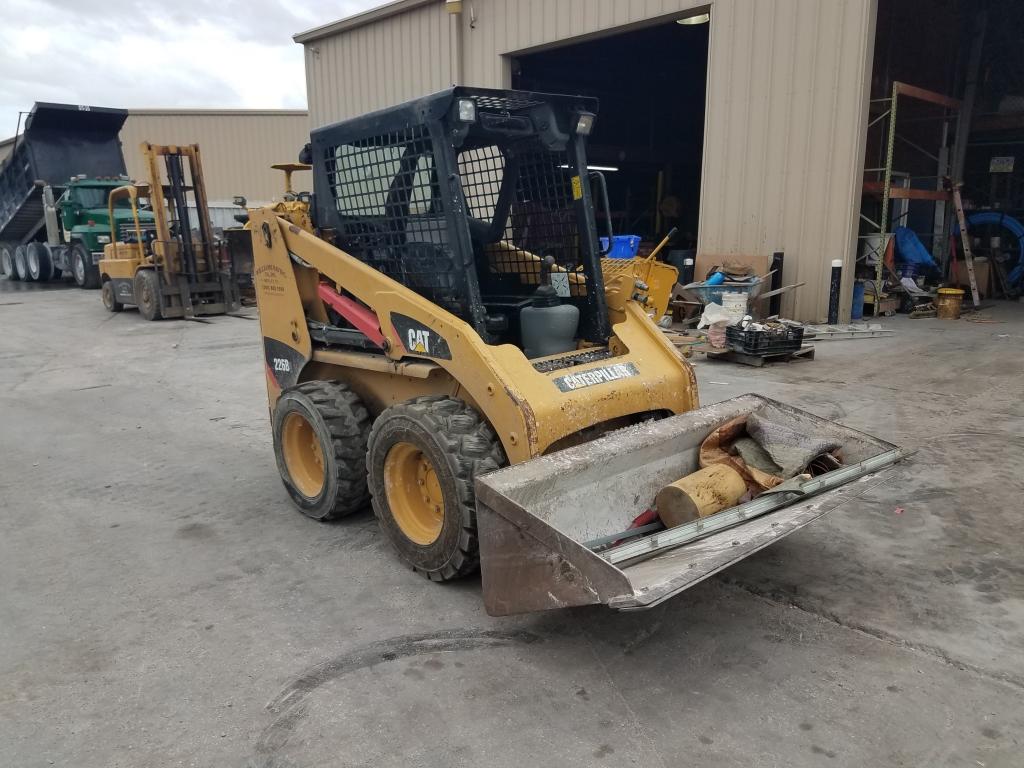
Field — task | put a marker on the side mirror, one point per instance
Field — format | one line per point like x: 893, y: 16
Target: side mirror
x: 239, y: 200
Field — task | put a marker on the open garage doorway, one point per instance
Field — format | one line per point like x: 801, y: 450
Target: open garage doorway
x: 649, y: 133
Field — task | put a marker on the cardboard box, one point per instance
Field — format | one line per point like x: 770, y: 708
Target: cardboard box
x: 982, y: 274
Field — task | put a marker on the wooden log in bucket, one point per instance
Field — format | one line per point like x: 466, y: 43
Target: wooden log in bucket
x: 700, y: 494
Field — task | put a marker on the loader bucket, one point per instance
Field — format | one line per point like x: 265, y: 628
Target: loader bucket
x: 538, y: 521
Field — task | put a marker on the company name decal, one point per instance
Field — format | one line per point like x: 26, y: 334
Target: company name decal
x: 594, y: 376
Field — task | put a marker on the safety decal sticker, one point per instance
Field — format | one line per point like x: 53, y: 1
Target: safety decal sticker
x: 577, y: 188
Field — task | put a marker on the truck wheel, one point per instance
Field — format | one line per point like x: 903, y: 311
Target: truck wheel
x: 110, y: 298
x: 320, y: 430
x: 87, y: 274
x: 147, y: 294
x: 422, y: 458
x: 20, y: 266
x: 40, y: 265
x: 7, y: 262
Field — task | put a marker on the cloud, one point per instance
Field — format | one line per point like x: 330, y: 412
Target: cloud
x: 130, y: 53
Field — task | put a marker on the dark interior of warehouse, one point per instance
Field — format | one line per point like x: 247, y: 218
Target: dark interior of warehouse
x: 959, y: 67
x: 648, y: 136
x: 947, y: 103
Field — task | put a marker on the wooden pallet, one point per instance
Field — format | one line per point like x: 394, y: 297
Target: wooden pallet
x: 758, y: 361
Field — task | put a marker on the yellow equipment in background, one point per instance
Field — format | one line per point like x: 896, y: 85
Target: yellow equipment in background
x: 167, y: 269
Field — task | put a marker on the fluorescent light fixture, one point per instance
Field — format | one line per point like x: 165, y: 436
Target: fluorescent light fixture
x: 700, y: 18
x: 605, y: 168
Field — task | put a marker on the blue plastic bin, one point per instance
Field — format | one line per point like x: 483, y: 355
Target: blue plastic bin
x: 623, y: 246
x: 857, y: 310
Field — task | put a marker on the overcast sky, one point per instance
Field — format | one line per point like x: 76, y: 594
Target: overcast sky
x: 181, y: 53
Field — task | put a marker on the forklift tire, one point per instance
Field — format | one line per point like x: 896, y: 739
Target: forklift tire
x: 40, y: 266
x: 7, y: 262
x: 147, y: 294
x: 320, y: 430
x: 422, y: 458
x: 110, y: 298
x: 20, y: 265
x: 87, y: 274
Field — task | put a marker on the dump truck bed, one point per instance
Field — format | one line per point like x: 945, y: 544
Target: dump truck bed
x: 59, y: 141
x: 537, y: 518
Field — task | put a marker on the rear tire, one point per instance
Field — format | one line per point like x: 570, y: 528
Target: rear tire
x: 110, y: 298
x: 87, y: 274
x: 7, y: 262
x: 320, y: 430
x: 40, y: 265
x: 417, y: 449
x: 147, y: 294
x: 20, y: 266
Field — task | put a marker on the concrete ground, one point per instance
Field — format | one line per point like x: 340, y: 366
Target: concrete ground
x: 164, y: 605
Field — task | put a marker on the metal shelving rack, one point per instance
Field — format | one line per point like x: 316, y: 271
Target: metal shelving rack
x: 884, y: 186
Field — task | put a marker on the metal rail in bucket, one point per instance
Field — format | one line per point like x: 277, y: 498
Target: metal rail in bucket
x: 535, y: 518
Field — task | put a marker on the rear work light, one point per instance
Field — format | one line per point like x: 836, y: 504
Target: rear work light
x: 467, y: 110
x: 585, y: 123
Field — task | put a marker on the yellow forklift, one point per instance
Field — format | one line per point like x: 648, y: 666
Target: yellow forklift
x: 444, y: 342
x: 167, y: 268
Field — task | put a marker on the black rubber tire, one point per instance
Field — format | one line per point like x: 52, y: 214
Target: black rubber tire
x: 20, y: 264
x: 110, y: 298
x: 342, y: 424
x: 7, y: 261
x: 460, y: 445
x: 147, y: 294
x: 38, y: 261
x: 87, y: 274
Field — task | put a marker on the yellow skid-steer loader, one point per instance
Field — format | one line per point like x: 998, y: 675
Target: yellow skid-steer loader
x: 443, y: 312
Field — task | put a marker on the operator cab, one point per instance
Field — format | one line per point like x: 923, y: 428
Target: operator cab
x: 477, y: 199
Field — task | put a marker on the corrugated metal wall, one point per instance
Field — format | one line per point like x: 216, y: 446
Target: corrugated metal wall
x: 786, y: 107
x: 238, y: 146
x: 380, y: 64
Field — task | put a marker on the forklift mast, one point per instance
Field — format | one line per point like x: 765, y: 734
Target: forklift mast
x: 183, y: 171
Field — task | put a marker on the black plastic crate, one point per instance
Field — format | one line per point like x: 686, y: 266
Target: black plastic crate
x: 771, y: 342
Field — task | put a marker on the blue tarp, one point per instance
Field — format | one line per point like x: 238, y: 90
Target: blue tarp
x: 910, y: 250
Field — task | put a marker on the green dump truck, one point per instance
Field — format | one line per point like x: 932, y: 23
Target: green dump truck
x: 53, y: 193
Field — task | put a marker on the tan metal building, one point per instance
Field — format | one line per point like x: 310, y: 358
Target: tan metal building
x: 238, y: 146
x: 784, y: 110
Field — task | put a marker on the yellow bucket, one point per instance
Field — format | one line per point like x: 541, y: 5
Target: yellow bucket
x: 948, y: 302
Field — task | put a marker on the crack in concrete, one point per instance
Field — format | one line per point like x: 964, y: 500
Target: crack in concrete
x: 934, y: 652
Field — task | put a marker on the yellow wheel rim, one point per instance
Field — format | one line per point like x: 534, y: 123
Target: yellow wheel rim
x: 413, y: 493
x: 303, y: 455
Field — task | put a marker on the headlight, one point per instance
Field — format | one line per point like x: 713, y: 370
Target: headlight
x: 102, y: 238
x: 585, y: 123
x: 467, y: 110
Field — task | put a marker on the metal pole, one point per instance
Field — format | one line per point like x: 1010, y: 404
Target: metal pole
x: 833, y: 291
